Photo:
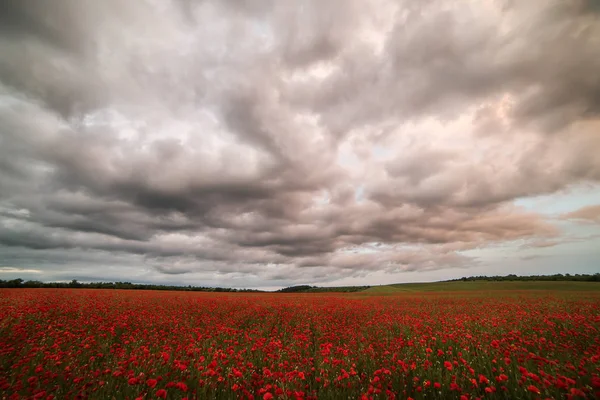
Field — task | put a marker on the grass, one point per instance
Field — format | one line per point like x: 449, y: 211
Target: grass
x: 460, y: 286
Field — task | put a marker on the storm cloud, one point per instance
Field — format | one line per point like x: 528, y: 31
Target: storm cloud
x: 271, y: 141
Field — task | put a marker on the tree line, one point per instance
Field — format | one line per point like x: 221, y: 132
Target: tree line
x: 545, y: 278
x: 318, y: 289
x: 74, y: 284
x: 20, y: 283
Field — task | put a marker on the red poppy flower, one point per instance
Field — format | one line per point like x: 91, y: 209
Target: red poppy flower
x: 533, y: 389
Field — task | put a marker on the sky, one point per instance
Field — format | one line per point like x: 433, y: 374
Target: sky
x: 263, y: 143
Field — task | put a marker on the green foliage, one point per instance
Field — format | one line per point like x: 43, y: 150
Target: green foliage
x: 20, y: 283
x: 317, y: 289
x: 508, y: 282
x: 545, y: 278
x: 295, y: 289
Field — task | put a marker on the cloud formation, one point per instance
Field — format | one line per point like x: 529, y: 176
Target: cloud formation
x: 585, y: 214
x: 276, y: 142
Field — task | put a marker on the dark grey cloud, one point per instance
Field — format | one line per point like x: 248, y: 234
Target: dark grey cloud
x: 266, y: 141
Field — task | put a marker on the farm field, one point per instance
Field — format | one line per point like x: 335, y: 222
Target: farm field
x: 488, y: 344
x: 479, y: 286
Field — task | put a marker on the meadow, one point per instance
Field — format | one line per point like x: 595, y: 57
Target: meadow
x: 479, y: 287
x: 455, y: 343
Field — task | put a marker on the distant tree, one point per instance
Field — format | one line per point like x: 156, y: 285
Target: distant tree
x: 293, y: 289
x: 513, y: 277
x: 74, y: 284
x: 33, y: 284
x: 15, y: 283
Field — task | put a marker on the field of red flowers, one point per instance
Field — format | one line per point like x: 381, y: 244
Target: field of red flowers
x: 104, y: 344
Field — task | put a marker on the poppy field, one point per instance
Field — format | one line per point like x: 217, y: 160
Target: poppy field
x: 105, y: 344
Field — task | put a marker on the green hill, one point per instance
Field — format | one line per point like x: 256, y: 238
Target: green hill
x: 459, y: 286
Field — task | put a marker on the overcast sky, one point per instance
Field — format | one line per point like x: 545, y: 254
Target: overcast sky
x: 265, y: 143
